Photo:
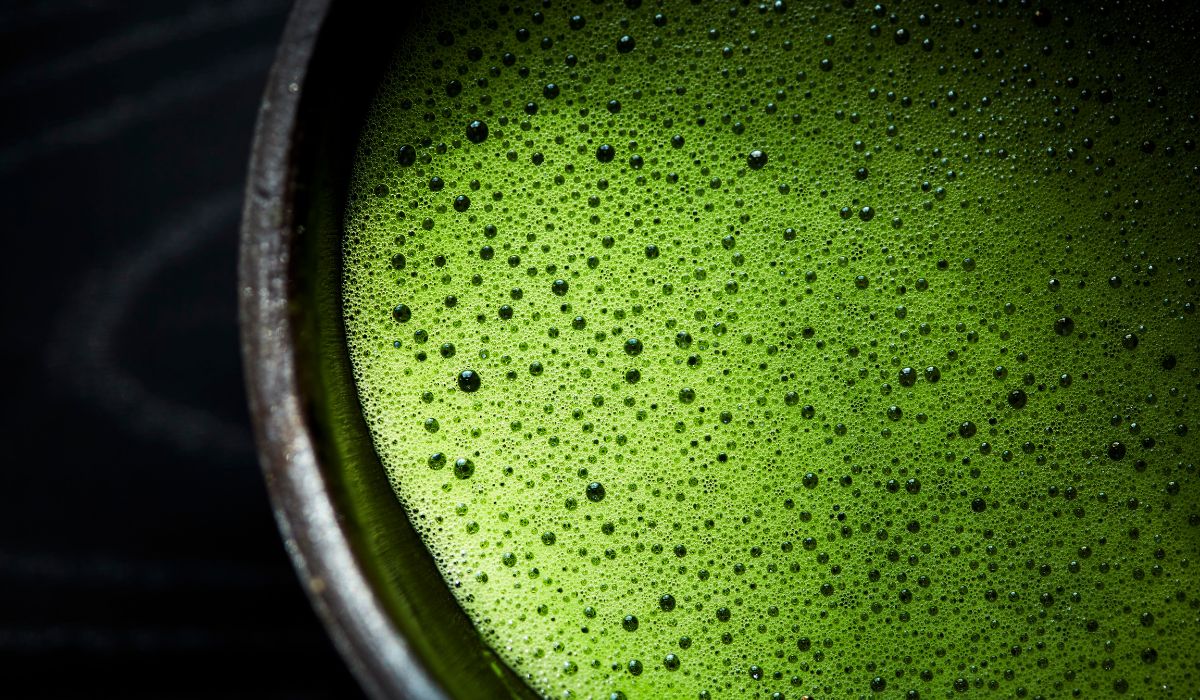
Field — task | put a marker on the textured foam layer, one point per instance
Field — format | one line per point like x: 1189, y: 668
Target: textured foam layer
x: 826, y: 349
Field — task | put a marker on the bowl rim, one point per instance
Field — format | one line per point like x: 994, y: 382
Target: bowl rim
x: 314, y: 534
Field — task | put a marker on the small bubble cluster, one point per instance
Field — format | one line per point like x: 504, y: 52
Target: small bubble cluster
x: 794, y: 349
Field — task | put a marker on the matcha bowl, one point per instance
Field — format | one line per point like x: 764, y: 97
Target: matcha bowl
x: 778, y: 350
x: 368, y: 575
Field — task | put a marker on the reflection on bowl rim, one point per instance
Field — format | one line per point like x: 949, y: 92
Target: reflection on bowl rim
x: 316, y: 538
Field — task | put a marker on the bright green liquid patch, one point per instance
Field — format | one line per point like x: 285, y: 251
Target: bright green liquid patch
x: 782, y: 505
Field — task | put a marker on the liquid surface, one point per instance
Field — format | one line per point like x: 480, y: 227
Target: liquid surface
x: 736, y: 350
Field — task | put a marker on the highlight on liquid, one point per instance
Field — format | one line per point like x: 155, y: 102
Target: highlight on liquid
x: 740, y: 349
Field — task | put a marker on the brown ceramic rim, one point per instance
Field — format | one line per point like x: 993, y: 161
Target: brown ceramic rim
x: 314, y: 534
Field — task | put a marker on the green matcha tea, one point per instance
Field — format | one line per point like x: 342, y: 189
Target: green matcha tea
x: 732, y: 350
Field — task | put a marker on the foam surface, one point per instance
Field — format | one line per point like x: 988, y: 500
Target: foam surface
x: 691, y: 358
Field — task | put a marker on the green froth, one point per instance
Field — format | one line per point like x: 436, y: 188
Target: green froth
x: 824, y: 524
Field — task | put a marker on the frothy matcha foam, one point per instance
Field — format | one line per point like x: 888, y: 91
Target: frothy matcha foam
x: 735, y: 350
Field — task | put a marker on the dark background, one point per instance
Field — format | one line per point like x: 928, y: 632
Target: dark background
x: 138, y: 555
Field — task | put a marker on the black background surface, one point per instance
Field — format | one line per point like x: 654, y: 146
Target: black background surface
x: 138, y: 556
